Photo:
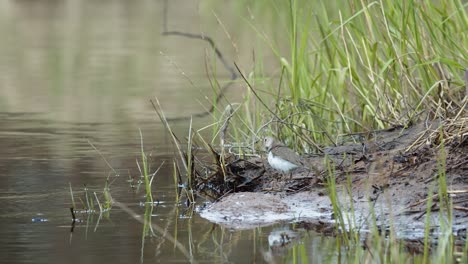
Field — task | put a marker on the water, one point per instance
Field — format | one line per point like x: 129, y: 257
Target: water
x: 78, y: 75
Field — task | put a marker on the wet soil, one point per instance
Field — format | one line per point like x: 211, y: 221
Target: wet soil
x: 388, y: 179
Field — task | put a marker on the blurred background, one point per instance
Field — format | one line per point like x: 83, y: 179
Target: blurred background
x: 78, y: 75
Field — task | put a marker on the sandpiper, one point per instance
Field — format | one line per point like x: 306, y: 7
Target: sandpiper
x: 281, y: 157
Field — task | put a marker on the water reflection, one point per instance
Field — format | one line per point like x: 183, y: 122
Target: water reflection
x: 90, y: 61
x: 78, y: 74
x: 37, y: 165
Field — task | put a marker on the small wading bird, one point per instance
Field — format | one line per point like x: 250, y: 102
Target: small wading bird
x: 281, y: 157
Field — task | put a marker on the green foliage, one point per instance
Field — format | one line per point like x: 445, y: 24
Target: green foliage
x: 358, y: 65
x: 145, y: 172
x: 355, y: 66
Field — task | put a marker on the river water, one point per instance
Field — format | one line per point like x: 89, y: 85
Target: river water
x: 76, y: 78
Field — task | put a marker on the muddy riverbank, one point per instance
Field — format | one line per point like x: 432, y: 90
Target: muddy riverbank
x: 390, y: 175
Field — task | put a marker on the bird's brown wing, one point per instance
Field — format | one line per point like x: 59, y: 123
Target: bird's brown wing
x: 291, y: 156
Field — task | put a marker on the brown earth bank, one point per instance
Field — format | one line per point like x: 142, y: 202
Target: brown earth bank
x: 388, y: 179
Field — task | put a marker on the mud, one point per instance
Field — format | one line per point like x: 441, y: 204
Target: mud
x: 386, y: 179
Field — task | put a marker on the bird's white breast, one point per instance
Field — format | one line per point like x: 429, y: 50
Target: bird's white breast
x: 280, y: 164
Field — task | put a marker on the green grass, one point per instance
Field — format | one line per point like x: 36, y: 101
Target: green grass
x: 354, y: 66
x: 357, y: 66
x: 339, y: 213
x: 438, y: 247
x: 144, y: 170
x: 350, y: 66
